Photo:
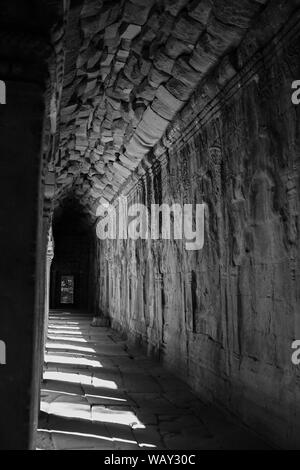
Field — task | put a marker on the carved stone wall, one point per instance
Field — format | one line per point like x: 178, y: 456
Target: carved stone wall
x: 224, y: 318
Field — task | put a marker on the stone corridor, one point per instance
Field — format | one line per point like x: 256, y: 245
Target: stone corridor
x: 150, y: 180
x: 99, y: 393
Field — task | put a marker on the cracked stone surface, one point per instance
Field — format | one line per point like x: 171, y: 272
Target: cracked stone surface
x: 100, y: 393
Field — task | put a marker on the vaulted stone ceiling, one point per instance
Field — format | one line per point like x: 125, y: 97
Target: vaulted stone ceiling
x: 130, y: 66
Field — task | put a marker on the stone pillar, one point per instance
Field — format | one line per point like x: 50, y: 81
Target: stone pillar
x: 49, y: 258
x: 28, y: 66
x: 49, y: 191
x: 21, y: 126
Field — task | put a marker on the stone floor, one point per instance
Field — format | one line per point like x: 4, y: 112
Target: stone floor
x: 98, y: 393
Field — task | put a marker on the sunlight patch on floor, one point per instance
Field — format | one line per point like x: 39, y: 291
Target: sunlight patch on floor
x: 76, y: 361
x: 88, y: 395
x: 60, y: 332
x: 58, y: 392
x: 72, y: 347
x: 94, y: 436
x: 79, y: 379
x: 64, y: 327
x: 106, y: 415
x: 69, y: 338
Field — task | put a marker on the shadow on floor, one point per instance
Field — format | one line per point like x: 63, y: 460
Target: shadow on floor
x: 98, y: 394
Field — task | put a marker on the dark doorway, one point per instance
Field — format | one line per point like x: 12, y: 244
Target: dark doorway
x: 72, y: 283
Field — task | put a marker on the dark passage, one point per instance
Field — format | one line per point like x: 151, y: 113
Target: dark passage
x: 71, y: 272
